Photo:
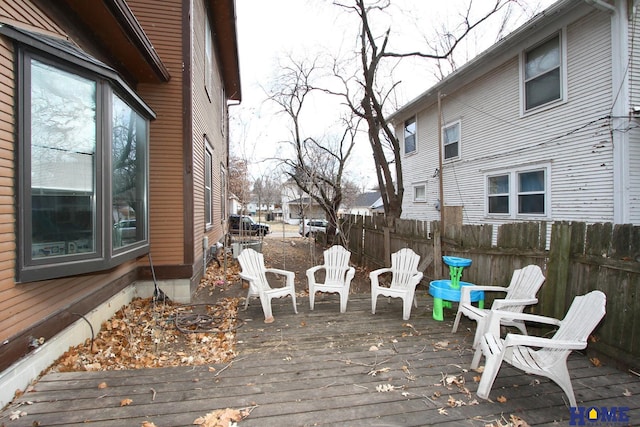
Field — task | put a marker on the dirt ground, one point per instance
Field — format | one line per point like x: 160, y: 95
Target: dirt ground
x: 291, y: 253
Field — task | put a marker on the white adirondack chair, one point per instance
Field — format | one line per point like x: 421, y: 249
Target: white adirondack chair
x: 540, y: 356
x: 338, y: 276
x: 404, y: 279
x: 521, y: 292
x: 254, y: 272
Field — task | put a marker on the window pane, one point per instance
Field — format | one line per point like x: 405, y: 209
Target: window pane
x: 452, y: 134
x: 531, y: 181
x: 419, y: 193
x: 499, y: 184
x: 499, y: 204
x: 129, y: 174
x: 531, y: 204
x: 451, y: 141
x: 543, y: 89
x: 451, y: 151
x: 63, y: 162
x: 543, y: 58
x: 410, y: 136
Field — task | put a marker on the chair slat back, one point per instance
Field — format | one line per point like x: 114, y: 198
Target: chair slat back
x: 252, y: 263
x: 581, y: 319
x: 404, y: 265
x: 525, y: 284
x: 336, y: 262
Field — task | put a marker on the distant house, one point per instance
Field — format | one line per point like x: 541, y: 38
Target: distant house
x: 296, y: 204
x: 364, y: 204
x: 113, y: 133
x: 543, y: 126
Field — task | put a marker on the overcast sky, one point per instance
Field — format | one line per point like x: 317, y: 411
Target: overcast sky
x: 272, y: 29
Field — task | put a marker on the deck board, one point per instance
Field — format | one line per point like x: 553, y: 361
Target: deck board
x: 317, y: 368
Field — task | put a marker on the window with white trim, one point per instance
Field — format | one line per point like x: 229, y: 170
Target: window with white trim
x: 420, y: 193
x: 208, y: 182
x: 518, y: 192
x: 451, y: 141
x: 410, y: 136
x: 543, y: 74
x: 82, y: 168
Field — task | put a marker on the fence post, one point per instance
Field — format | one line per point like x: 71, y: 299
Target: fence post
x: 555, y: 291
x: 387, y: 244
x: 437, y: 254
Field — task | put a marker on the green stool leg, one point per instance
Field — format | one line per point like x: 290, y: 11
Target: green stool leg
x: 481, y: 304
x: 447, y: 304
x: 437, y: 309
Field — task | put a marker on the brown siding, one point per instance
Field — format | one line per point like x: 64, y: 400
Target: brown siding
x: 39, y: 308
x: 162, y: 23
x: 22, y: 11
x: 207, y: 120
x: 177, y: 146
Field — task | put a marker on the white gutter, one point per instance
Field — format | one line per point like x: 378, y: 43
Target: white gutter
x: 600, y: 4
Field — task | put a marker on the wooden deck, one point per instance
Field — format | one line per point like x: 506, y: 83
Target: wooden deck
x: 322, y: 368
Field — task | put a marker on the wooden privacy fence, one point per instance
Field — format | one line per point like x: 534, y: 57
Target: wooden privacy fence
x: 575, y: 257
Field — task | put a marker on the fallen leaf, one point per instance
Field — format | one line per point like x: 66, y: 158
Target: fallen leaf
x: 518, y: 422
x: 221, y: 418
x: 501, y: 399
x: 442, y: 411
x: 147, y: 424
x: 441, y: 345
x: 595, y: 361
x: 102, y: 385
x: 126, y: 402
x: 17, y: 414
x: 626, y: 392
x: 476, y: 378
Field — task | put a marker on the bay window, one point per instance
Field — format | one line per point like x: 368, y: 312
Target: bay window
x: 82, y: 162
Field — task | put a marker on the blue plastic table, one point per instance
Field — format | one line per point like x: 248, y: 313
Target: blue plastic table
x: 456, y: 265
x: 444, y: 293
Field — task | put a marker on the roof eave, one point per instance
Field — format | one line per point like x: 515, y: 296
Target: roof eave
x: 485, y: 60
x: 224, y: 27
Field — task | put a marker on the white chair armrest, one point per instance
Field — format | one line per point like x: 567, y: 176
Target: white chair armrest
x: 527, y: 340
x: 379, y: 272
x: 416, y: 278
x: 502, y: 303
x: 247, y: 277
x: 465, y: 291
x: 290, y: 275
x: 351, y: 272
x: 495, y: 316
x: 313, y: 270
x: 278, y: 271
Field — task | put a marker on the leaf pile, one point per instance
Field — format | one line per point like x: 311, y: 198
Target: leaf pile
x: 144, y: 335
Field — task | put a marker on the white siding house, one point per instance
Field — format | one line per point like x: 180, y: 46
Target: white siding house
x: 541, y: 126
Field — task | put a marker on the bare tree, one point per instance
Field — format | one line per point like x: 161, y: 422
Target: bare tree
x: 239, y: 183
x: 370, y: 97
x: 267, y: 190
x: 318, y: 164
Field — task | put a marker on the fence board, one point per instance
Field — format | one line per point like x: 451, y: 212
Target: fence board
x: 580, y: 258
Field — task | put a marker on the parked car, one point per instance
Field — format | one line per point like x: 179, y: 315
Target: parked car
x: 313, y: 226
x: 247, y: 225
x: 126, y: 230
